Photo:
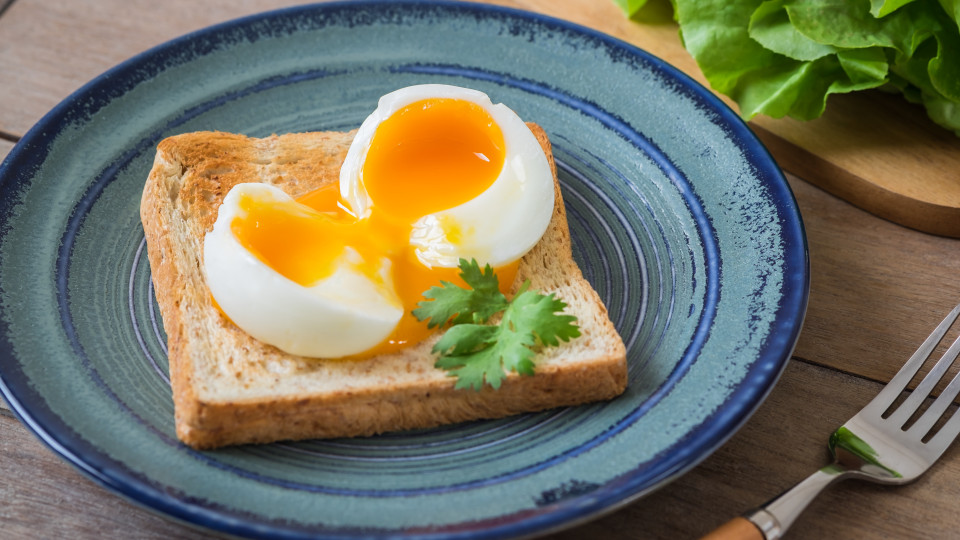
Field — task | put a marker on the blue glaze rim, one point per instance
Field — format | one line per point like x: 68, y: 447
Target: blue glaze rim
x: 29, y: 406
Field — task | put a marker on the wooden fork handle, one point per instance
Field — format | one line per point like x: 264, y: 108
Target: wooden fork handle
x: 737, y: 528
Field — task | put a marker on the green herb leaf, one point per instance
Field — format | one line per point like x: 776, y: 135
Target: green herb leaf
x: 464, y: 339
x: 503, y: 349
x: 454, y: 304
x: 538, y: 314
x: 478, y: 353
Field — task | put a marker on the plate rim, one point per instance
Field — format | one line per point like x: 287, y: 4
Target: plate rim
x: 750, y: 392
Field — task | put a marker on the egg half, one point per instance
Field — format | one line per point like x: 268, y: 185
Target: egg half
x: 436, y: 173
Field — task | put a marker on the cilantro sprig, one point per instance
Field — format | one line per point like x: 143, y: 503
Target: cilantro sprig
x: 477, y: 352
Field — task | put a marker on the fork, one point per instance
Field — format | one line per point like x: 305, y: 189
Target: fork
x: 878, y: 444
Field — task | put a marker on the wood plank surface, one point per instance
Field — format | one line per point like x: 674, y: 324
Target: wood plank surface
x: 873, y: 149
x: 38, y: 38
x: 877, y: 289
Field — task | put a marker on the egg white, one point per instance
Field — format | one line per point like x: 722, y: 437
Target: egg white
x: 498, y: 226
x: 341, y: 315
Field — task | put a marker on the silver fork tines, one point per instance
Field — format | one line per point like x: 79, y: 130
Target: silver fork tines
x: 902, y: 414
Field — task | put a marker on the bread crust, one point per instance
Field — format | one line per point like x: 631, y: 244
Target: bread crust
x: 229, y: 388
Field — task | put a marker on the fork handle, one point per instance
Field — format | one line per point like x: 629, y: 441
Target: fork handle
x: 774, y: 518
x: 738, y: 528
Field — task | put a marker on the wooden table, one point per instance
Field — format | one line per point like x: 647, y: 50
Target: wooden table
x: 877, y: 290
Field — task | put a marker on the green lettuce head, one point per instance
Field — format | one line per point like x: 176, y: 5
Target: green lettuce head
x: 784, y: 57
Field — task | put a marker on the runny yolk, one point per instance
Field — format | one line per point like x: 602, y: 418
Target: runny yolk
x: 427, y: 157
x: 432, y: 155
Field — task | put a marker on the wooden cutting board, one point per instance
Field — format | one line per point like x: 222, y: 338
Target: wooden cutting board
x: 877, y: 152
x: 871, y: 149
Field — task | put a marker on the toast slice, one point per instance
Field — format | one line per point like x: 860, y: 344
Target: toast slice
x: 229, y: 388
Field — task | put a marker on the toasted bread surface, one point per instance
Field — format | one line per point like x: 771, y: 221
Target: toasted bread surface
x: 229, y: 388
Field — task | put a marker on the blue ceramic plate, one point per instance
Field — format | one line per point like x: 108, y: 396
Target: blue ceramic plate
x: 680, y: 219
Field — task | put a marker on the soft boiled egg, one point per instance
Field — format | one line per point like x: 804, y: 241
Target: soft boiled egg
x: 436, y: 173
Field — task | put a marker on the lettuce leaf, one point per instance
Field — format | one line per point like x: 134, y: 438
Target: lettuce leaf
x: 785, y: 57
x: 882, y: 8
x: 770, y: 26
x: 630, y: 7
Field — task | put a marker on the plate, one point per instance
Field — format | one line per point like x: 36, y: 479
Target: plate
x: 680, y: 220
